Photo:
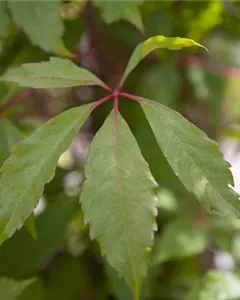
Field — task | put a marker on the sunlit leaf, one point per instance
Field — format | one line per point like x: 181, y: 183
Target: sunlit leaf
x: 153, y: 43
x: 55, y: 73
x: 32, y: 164
x: 117, y: 200
x: 194, y: 158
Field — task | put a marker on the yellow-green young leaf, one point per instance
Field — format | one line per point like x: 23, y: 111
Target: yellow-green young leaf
x: 118, y: 200
x: 153, y: 43
x: 216, y: 286
x: 194, y: 158
x: 55, y: 73
x: 3, y: 19
x: 41, y: 22
x: 113, y: 11
x: 11, y: 289
x: 9, y: 136
x: 32, y: 164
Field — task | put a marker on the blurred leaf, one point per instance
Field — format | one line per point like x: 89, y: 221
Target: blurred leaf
x: 7, y: 92
x: 216, y: 286
x: 32, y: 164
x: 113, y: 11
x: 153, y: 43
x: 35, y: 291
x: 194, y: 158
x: 22, y: 256
x: 9, y: 136
x: 179, y: 239
x: 55, y: 73
x: 122, y: 188
x: 11, y: 289
x: 208, y: 18
x: 161, y: 83
x: 41, y: 22
x: 167, y: 200
x: 66, y: 280
x: 3, y: 19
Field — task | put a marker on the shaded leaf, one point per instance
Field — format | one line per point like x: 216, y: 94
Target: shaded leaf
x: 10, y: 289
x: 3, y: 19
x: 55, y: 73
x: 153, y: 43
x: 22, y: 256
x: 9, y: 136
x: 113, y: 11
x: 179, y: 239
x: 41, y: 22
x: 35, y: 291
x: 32, y: 164
x: 66, y: 280
x: 117, y: 199
x: 194, y: 158
x: 216, y: 286
x: 30, y: 226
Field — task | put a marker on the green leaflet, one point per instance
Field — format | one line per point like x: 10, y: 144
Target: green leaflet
x: 216, y: 286
x: 118, y: 201
x: 10, y: 289
x: 32, y: 164
x: 55, y: 73
x: 113, y: 11
x: 153, y: 43
x: 179, y: 239
x: 194, y: 158
x: 9, y: 136
x: 41, y: 22
x: 30, y: 226
x: 3, y: 19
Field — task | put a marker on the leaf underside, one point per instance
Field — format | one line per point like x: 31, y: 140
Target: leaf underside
x: 194, y: 158
x: 32, y: 164
x: 55, y: 73
x: 118, y: 200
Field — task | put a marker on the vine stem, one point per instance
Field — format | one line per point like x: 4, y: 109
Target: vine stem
x: 103, y: 100
x: 18, y: 100
x: 129, y: 96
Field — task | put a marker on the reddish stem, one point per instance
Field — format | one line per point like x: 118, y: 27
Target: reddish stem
x: 107, y: 88
x: 101, y: 101
x: 18, y: 100
x: 115, y: 107
x: 129, y: 96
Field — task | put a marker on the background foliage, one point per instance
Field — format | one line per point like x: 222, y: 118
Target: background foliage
x: 196, y: 254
